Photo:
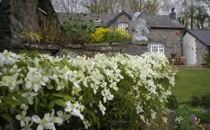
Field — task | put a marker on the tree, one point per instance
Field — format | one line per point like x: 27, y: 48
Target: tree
x: 68, y: 6
x: 201, y: 17
x: 151, y: 7
x: 100, y: 6
x: 195, y: 16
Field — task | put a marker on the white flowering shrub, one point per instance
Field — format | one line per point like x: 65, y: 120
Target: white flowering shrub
x: 45, y: 92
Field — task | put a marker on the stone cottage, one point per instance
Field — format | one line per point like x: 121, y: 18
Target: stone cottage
x: 165, y: 31
x: 196, y: 46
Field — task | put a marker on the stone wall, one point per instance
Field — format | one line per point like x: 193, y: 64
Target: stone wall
x: 201, y: 51
x: 80, y: 49
x: 23, y: 16
x: 169, y: 38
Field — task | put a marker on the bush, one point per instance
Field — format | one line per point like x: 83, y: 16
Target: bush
x: 77, y: 30
x: 30, y: 37
x: 109, y: 35
x: 195, y: 101
x: 172, y: 102
x: 50, y: 33
x: 183, y: 119
x: 205, y: 100
x: 118, y: 92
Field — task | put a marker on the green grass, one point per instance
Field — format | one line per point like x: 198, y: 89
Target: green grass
x: 191, y: 81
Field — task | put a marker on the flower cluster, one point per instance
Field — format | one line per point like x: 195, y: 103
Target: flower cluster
x: 109, y: 35
x: 45, y: 92
x: 196, y: 122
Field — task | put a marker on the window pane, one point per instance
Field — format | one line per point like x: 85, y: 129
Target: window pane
x: 156, y: 47
x: 123, y: 26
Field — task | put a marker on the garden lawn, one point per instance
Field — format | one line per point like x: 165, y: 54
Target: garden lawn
x: 191, y: 81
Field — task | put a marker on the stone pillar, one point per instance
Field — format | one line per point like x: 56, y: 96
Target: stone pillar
x: 170, y: 115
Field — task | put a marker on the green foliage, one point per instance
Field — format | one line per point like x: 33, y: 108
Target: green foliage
x: 109, y: 35
x: 202, y: 101
x: 30, y: 37
x: 195, y: 101
x: 197, y: 14
x: 205, y: 100
x: 183, y: 119
x: 50, y: 33
x: 77, y: 30
x: 172, y: 102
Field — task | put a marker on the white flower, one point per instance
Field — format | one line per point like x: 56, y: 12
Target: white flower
x: 153, y: 114
x: 65, y: 116
x: 178, y: 119
x: 34, y: 79
x: 94, y: 87
x: 55, y: 119
x: 114, y: 86
x: 29, y: 96
x: 23, y: 119
x: 8, y: 58
x: 11, y: 82
x: 106, y: 95
x: 44, y: 123
x: 102, y: 108
x: 75, y: 109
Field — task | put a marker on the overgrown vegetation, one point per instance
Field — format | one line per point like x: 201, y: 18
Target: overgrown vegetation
x: 30, y: 37
x: 77, y: 30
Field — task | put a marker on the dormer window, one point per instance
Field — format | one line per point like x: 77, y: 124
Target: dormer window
x: 123, y: 26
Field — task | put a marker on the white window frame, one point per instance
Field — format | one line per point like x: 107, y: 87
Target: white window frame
x: 156, y: 47
x: 123, y: 26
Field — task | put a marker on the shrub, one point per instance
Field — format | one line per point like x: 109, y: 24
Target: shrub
x: 77, y: 30
x: 118, y: 92
x: 50, y: 33
x: 109, y: 35
x: 205, y: 100
x: 195, y: 101
x: 183, y: 119
x: 172, y: 102
x: 30, y: 37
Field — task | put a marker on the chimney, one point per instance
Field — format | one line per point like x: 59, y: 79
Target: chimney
x: 173, y: 14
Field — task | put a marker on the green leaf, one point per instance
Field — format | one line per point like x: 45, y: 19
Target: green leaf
x: 60, y: 102
x: 9, y: 101
x: 36, y: 104
x: 7, y: 117
x: 64, y: 96
x: 51, y: 105
x: 23, y: 100
x: 44, y: 64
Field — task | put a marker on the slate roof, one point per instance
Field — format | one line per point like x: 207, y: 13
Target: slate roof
x: 153, y: 21
x: 162, y: 22
x: 201, y: 35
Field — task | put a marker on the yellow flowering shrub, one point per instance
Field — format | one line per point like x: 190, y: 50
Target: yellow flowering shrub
x: 98, y: 35
x: 108, y: 35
